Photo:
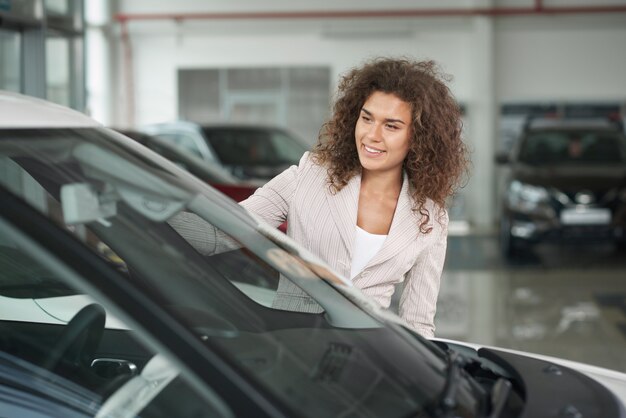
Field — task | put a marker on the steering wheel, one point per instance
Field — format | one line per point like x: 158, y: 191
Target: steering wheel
x: 79, y: 340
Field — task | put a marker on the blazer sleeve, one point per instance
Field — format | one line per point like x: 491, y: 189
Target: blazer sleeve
x: 203, y: 236
x: 418, y: 302
x: 271, y: 201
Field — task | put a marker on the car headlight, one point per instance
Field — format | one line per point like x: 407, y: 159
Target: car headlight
x: 526, y: 196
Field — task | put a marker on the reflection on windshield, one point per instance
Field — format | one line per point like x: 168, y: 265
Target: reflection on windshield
x: 318, y: 352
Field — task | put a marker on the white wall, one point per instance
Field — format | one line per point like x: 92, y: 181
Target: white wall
x: 562, y: 58
x: 157, y: 59
x: 570, y: 57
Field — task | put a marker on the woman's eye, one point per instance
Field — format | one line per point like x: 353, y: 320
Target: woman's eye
x: 366, y: 118
x: 393, y: 127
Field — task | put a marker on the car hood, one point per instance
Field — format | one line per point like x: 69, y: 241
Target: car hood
x: 613, y: 380
x: 572, y: 177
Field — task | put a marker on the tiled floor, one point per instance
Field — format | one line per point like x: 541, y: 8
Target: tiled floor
x: 567, y: 301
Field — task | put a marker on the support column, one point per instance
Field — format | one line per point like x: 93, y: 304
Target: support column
x: 482, y: 136
x: 99, y: 102
x: 481, y: 129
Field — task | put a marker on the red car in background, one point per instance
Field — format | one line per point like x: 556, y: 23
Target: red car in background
x: 216, y: 176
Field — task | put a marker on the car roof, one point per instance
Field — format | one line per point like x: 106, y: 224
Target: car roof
x: 20, y: 111
x: 573, y: 124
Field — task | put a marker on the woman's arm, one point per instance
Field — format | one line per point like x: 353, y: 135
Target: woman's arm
x: 418, y: 302
x: 204, y: 237
x: 271, y: 202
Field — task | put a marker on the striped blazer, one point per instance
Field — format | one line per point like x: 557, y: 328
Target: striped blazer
x: 325, y: 223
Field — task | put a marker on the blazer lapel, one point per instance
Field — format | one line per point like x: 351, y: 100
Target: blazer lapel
x: 404, y: 227
x: 343, y: 210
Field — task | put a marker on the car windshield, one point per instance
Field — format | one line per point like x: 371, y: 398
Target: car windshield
x: 251, y: 146
x: 572, y: 147
x: 269, y: 309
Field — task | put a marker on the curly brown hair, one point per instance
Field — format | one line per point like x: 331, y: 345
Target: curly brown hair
x: 437, y: 157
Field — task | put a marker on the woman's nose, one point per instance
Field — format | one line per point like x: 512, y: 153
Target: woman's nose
x: 375, y: 132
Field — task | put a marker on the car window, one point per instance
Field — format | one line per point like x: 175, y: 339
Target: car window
x: 209, y: 172
x: 181, y: 141
x: 247, y: 147
x: 262, y: 305
x: 572, y: 147
x: 171, y: 137
x: 288, y: 149
x: 188, y: 143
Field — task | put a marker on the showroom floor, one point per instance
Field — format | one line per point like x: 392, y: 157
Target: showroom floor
x: 565, y: 301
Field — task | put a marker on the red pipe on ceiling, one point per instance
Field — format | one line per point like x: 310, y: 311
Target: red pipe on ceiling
x: 537, y: 10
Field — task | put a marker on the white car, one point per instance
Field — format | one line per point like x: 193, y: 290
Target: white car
x: 131, y: 288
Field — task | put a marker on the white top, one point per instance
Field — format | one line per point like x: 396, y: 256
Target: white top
x: 366, y: 246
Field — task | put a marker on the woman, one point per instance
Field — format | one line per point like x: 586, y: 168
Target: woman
x: 370, y: 199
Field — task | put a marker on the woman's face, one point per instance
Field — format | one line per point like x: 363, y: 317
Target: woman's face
x: 383, y: 133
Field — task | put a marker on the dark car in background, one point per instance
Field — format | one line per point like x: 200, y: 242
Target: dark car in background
x: 567, y: 183
x: 251, y: 153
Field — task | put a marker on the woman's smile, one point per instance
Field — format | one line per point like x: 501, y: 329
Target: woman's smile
x: 373, y: 152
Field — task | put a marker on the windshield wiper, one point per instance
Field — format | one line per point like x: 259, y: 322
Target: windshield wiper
x: 499, y: 395
x: 446, y: 402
